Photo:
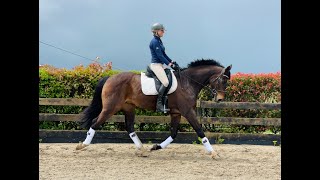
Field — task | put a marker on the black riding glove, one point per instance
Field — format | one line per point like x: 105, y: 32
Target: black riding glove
x: 175, y: 66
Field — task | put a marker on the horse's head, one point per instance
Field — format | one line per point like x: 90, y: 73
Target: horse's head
x: 218, y: 83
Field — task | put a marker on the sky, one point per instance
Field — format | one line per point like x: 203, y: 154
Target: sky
x: 243, y: 33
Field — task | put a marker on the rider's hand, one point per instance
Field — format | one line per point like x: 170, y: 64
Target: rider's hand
x: 175, y: 66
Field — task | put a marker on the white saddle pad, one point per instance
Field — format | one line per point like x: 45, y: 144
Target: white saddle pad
x: 148, y: 85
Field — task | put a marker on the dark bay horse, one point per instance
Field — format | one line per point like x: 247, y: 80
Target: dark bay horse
x: 122, y: 92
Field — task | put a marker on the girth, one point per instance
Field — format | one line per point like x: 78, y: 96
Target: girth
x: 151, y: 74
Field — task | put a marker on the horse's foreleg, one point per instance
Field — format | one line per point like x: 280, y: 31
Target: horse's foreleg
x: 175, y: 121
x: 192, y: 119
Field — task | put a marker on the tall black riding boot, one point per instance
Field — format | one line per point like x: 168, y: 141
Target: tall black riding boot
x: 160, y: 103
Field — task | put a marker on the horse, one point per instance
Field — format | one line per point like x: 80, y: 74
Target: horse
x: 123, y: 92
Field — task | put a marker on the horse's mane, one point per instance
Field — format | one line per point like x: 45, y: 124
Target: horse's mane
x: 201, y: 62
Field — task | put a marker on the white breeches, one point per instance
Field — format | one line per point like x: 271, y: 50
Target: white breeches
x: 158, y: 69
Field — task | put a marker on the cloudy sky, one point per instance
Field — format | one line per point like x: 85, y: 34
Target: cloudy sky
x: 244, y: 33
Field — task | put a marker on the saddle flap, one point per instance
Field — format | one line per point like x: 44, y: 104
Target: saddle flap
x: 149, y: 72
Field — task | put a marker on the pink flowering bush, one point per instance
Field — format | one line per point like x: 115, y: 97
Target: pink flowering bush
x: 264, y: 88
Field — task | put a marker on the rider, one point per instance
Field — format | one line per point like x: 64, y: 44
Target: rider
x: 159, y: 58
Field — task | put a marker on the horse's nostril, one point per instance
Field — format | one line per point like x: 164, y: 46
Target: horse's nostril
x: 219, y: 100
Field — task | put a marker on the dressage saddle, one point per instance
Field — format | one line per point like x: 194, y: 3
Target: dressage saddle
x: 162, y: 101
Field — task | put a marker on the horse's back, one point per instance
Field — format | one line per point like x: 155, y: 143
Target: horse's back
x: 122, y: 81
x: 123, y: 77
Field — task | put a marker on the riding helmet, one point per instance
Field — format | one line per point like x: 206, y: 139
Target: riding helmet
x: 157, y: 26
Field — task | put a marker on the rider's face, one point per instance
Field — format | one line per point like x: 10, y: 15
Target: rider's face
x: 160, y: 32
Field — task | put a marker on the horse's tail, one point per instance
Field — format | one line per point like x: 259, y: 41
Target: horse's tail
x: 95, y: 107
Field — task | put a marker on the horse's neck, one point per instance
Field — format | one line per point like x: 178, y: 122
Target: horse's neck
x: 196, y: 79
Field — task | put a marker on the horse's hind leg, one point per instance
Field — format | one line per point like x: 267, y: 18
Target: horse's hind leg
x: 175, y: 121
x: 129, y: 120
x: 105, y: 114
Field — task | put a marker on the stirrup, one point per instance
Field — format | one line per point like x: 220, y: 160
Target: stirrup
x: 162, y: 109
x: 165, y: 110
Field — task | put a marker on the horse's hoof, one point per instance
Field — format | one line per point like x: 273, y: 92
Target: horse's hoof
x: 214, y: 155
x: 142, y: 152
x: 81, y: 146
x: 155, y: 147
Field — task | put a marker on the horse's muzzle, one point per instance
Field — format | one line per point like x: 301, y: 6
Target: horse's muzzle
x: 217, y: 100
x: 219, y: 97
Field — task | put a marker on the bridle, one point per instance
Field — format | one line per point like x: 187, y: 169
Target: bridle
x: 213, y: 90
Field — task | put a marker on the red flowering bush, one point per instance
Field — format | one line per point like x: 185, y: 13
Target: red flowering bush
x: 264, y: 88
x: 76, y: 83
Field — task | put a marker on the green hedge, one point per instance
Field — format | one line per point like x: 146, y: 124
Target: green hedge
x: 81, y: 81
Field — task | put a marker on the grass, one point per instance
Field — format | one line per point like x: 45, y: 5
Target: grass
x: 219, y: 140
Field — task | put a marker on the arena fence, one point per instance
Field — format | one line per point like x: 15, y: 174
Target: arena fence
x: 102, y: 136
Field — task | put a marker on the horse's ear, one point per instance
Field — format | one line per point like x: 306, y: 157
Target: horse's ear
x: 229, y: 67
